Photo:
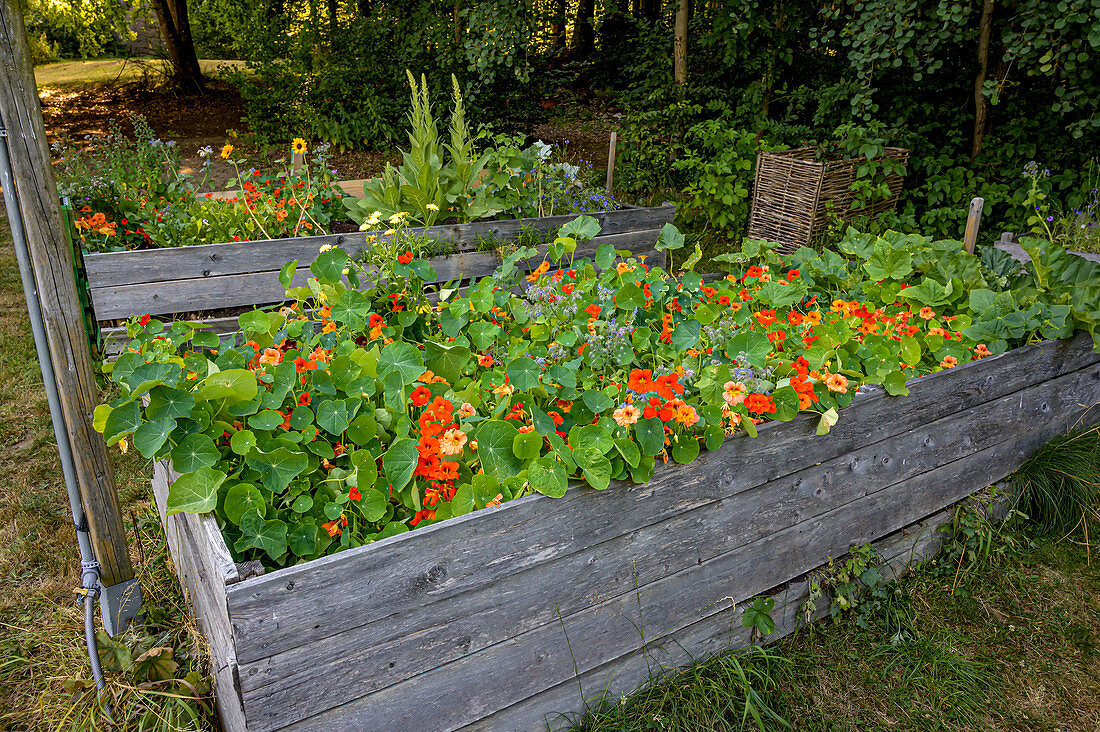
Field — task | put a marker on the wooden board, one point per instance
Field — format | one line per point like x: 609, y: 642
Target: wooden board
x: 205, y: 568
x: 253, y: 280
x: 461, y: 267
x: 209, y: 260
x: 529, y: 663
x: 380, y: 654
x: 720, y: 633
x: 344, y: 588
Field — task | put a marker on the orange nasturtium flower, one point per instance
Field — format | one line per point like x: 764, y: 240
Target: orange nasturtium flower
x: 420, y: 396
x: 760, y: 404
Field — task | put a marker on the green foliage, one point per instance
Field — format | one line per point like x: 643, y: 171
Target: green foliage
x: 84, y: 29
x: 364, y: 411
x: 727, y: 692
x: 1058, y: 488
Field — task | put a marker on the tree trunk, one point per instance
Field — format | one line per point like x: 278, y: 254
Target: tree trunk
x: 773, y: 59
x: 583, y: 37
x: 981, y: 103
x: 679, y: 43
x: 175, y: 29
x: 647, y: 9
x: 557, y: 26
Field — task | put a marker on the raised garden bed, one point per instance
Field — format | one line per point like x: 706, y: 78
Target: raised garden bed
x: 501, y: 618
x: 244, y: 274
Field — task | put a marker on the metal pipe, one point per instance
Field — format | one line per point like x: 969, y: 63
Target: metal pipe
x: 89, y: 567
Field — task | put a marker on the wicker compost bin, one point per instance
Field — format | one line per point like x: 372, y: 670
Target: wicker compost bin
x: 500, y: 619
x: 245, y: 274
x: 792, y: 194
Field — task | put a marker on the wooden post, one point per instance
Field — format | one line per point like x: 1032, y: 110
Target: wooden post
x: 297, y: 160
x: 52, y: 261
x: 973, y: 219
x: 611, y: 162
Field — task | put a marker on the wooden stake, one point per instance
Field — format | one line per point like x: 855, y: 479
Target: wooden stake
x: 611, y: 162
x: 52, y: 260
x: 297, y: 160
x: 973, y: 219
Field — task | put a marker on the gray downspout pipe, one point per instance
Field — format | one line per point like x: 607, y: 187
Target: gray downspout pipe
x: 88, y: 564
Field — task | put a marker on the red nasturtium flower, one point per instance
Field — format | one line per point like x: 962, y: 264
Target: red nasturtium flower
x: 302, y: 365
x: 304, y: 400
x: 145, y: 319
x: 593, y: 311
x: 420, y: 396
x: 759, y: 404
x: 406, y: 257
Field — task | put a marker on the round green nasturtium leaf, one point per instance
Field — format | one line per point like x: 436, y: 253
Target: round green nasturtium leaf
x: 547, y: 476
x: 527, y: 445
x: 302, y: 504
x: 258, y: 533
x: 463, y: 502
x: 301, y: 417
x: 650, y: 434
x: 242, y: 441
x: 495, y: 439
x: 596, y: 468
x: 373, y: 504
x: 366, y: 469
x: 685, y: 450
x: 240, y: 499
x: 523, y: 373
x: 333, y: 416
x: 268, y: 419
x: 151, y: 436
x: 195, y: 492
x: 597, y: 401
x: 486, y: 489
x: 302, y: 540
x: 629, y: 450
x: 582, y: 437
x: 362, y: 429
x: 393, y: 528
x: 193, y: 452
x: 399, y: 462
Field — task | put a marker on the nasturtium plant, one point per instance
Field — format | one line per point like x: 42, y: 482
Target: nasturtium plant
x: 361, y: 409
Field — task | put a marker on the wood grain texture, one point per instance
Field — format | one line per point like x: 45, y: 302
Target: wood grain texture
x: 722, y: 631
x: 383, y: 653
x: 213, y: 260
x: 558, y: 707
x: 529, y: 663
x: 115, y: 298
x: 391, y: 576
x: 199, y: 555
x: 52, y: 261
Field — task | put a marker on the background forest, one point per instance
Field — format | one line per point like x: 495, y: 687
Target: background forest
x: 696, y: 88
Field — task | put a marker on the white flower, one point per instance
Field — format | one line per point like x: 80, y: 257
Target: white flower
x: 324, y: 248
x: 432, y: 207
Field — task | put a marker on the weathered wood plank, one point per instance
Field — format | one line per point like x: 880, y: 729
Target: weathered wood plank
x: 182, y: 296
x: 381, y: 654
x: 51, y: 259
x: 213, y: 260
x: 556, y: 708
x: 200, y: 560
x: 348, y: 590
x: 262, y: 288
x: 660, y: 608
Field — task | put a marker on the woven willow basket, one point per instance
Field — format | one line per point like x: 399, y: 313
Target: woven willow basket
x: 793, y: 192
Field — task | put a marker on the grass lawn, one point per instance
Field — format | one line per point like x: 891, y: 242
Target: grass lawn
x: 114, y: 70
x: 1012, y: 644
